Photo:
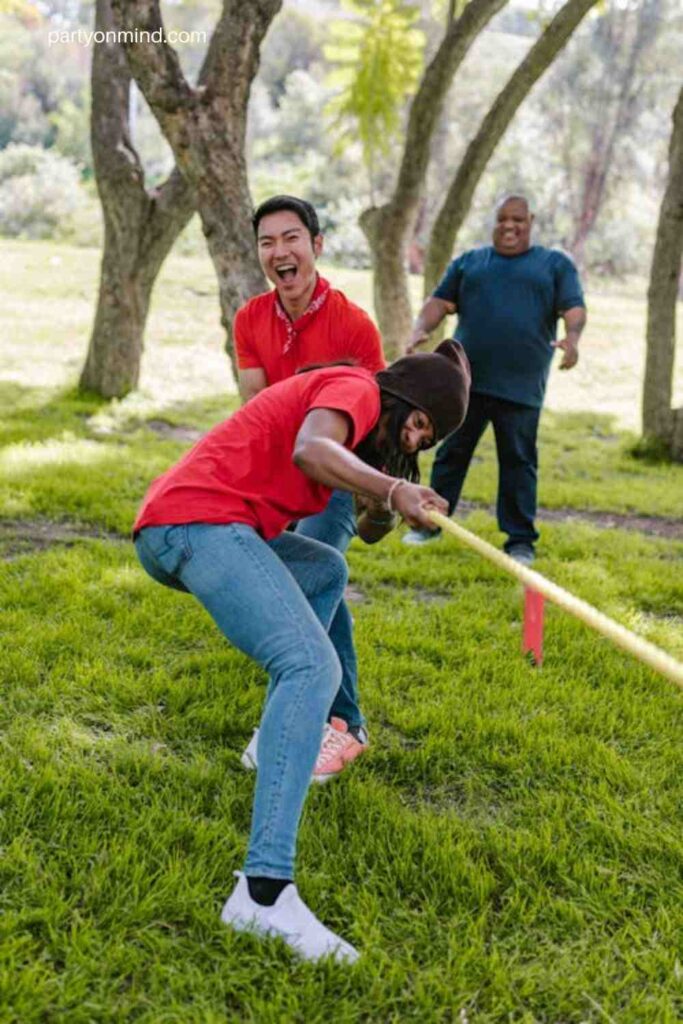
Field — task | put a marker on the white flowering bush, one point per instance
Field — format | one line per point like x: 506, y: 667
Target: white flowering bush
x: 40, y: 192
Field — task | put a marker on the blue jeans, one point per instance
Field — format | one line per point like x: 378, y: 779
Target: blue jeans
x: 515, y: 427
x: 275, y: 601
x: 336, y: 526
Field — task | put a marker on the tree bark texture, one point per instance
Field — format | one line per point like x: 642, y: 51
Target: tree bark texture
x: 205, y: 127
x: 455, y: 207
x: 621, y: 89
x: 388, y: 227
x: 140, y: 226
x: 660, y: 421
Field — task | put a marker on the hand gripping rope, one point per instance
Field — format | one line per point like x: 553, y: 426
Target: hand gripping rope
x: 538, y: 587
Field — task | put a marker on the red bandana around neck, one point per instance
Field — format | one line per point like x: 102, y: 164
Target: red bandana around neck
x: 292, y: 327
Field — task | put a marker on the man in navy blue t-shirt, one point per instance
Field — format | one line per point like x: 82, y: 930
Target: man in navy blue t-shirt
x: 508, y: 297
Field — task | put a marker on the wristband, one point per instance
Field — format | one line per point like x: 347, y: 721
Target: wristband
x: 380, y: 522
x: 396, y: 484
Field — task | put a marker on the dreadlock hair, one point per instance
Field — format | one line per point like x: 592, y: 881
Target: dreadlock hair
x: 387, y: 455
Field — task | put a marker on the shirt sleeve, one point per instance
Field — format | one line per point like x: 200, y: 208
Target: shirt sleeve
x: 449, y: 286
x: 568, y: 290
x: 365, y: 345
x: 358, y: 397
x: 245, y: 350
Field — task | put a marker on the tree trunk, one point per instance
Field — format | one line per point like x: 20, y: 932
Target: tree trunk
x: 660, y: 421
x: 388, y: 227
x: 617, y: 115
x: 140, y: 227
x: 205, y: 127
x: 457, y: 203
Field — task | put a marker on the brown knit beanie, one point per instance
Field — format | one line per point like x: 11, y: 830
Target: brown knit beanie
x: 436, y: 382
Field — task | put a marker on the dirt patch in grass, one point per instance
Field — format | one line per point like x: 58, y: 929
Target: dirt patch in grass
x: 27, y: 536
x: 174, y: 432
x: 429, y: 596
x: 654, y: 526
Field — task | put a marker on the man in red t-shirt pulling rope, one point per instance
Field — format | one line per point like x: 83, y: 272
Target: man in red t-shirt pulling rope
x: 214, y: 525
x: 304, y: 321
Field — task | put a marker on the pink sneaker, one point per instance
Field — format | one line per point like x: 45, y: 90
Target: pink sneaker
x: 339, y: 748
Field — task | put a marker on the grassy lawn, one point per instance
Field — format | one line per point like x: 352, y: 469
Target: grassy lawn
x: 511, y: 849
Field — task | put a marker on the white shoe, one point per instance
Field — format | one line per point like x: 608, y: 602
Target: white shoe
x: 414, y: 537
x: 249, y: 758
x: 290, y: 919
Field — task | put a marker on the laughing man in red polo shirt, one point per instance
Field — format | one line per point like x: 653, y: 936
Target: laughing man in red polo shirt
x: 304, y: 321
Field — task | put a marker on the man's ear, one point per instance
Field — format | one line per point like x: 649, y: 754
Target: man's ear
x: 317, y: 245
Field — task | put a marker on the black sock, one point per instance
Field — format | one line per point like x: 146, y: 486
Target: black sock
x: 265, y: 891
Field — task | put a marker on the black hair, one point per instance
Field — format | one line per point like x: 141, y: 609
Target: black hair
x: 387, y: 455
x: 304, y: 211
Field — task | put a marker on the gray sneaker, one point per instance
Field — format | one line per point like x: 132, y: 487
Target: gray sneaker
x: 414, y: 537
x: 522, y: 553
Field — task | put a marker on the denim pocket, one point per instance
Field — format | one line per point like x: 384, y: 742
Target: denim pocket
x: 166, y: 545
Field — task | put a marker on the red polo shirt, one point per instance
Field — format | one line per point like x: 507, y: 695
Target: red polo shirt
x: 338, y: 330
x: 242, y: 470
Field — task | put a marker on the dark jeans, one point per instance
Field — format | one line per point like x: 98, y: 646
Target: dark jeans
x: 515, y: 428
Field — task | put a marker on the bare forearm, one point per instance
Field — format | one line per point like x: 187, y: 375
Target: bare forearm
x: 333, y: 465
x: 373, y: 520
x: 250, y: 382
x: 574, y: 322
x: 429, y: 317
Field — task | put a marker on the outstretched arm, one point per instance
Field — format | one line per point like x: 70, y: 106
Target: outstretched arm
x: 429, y: 317
x: 320, y: 453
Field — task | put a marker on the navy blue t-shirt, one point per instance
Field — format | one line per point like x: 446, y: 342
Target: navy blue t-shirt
x: 507, y: 316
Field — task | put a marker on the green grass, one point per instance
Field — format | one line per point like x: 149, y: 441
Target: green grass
x: 510, y: 850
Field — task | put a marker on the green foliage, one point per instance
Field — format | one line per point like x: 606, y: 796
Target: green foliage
x: 376, y: 56
x: 71, y: 122
x: 39, y: 192
x: 293, y: 43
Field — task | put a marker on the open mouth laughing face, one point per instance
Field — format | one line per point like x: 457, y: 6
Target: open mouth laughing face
x: 513, y: 227
x: 287, y: 254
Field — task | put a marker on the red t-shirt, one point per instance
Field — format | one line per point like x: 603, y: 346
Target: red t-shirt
x: 338, y: 330
x: 242, y: 470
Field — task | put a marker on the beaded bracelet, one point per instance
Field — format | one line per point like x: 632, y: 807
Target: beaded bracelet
x: 396, y: 484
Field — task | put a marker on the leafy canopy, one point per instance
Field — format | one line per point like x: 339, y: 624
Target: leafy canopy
x: 376, y: 54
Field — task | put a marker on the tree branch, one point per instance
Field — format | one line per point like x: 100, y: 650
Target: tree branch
x: 428, y: 103
x: 493, y: 127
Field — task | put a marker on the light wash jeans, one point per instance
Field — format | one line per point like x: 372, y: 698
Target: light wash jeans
x: 336, y: 526
x: 275, y: 601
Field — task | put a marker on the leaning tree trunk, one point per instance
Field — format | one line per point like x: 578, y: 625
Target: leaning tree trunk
x: 660, y: 421
x: 459, y: 197
x: 140, y: 227
x: 205, y: 127
x: 389, y: 227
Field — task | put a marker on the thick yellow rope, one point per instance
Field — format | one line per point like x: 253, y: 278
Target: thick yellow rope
x: 635, y: 645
